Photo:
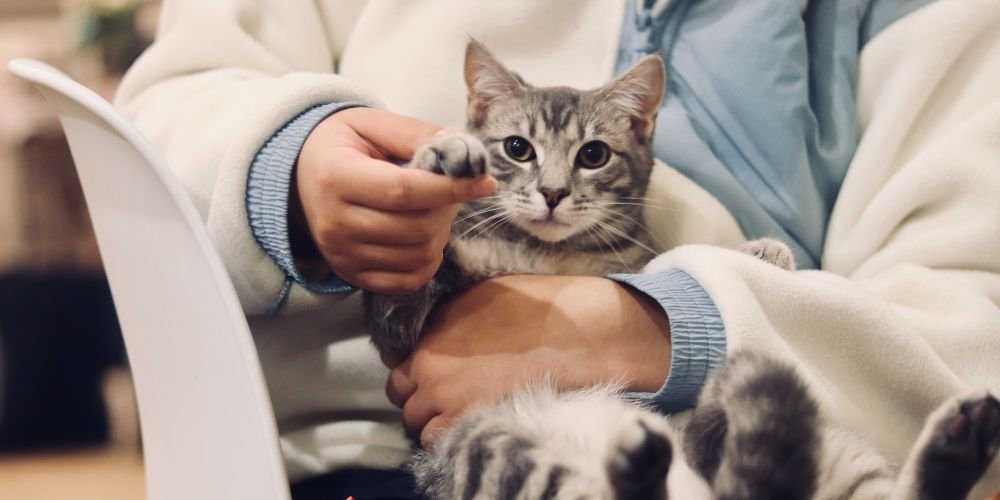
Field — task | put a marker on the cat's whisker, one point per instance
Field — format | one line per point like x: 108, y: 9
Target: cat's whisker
x: 497, y: 222
x: 621, y: 234
x: 489, y: 200
x: 493, y: 197
x: 641, y: 198
x: 644, y: 199
x: 491, y: 208
x: 644, y: 205
x: 617, y: 217
x: 595, y: 230
x: 481, y: 223
x: 493, y: 227
x: 635, y: 204
x: 640, y: 225
x: 615, y: 249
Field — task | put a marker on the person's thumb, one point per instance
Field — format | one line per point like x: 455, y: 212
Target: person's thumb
x: 397, y: 135
x: 464, y: 190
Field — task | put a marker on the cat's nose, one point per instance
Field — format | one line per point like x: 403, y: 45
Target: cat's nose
x: 553, y: 196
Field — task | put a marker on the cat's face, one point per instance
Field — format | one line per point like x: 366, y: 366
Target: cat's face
x: 570, y: 163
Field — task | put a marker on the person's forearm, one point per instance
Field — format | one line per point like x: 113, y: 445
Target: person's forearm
x: 209, y: 94
x: 510, y: 332
x: 592, y: 330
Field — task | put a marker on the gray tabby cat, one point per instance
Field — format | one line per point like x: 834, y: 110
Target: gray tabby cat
x: 573, y: 168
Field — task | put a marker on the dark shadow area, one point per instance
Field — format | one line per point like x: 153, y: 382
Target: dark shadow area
x: 58, y: 336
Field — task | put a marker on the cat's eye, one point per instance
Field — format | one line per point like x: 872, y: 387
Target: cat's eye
x: 594, y: 154
x: 518, y: 148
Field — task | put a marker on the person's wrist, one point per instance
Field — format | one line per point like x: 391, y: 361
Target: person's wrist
x: 271, y: 210
x: 306, y: 254
x: 634, y: 333
x: 647, y: 355
x: 624, y: 335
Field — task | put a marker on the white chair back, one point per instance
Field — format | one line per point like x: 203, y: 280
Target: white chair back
x: 208, y: 427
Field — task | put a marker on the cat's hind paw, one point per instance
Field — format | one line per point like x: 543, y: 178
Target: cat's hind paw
x: 456, y: 154
x: 771, y: 251
x: 962, y: 445
x: 640, y: 460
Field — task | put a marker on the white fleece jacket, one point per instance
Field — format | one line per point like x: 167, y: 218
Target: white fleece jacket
x: 903, y: 313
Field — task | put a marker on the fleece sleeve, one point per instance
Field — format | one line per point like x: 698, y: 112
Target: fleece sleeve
x: 269, y: 187
x: 697, y: 336
x: 905, y: 310
x: 220, y: 80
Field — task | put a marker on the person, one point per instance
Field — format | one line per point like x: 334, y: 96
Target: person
x: 865, y: 134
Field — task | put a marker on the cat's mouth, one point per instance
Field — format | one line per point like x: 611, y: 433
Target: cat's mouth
x: 550, y: 228
x: 549, y: 220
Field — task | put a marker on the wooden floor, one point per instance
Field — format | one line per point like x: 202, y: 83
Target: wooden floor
x: 83, y: 475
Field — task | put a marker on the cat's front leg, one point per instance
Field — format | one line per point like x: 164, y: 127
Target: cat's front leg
x: 455, y: 154
x: 395, y: 321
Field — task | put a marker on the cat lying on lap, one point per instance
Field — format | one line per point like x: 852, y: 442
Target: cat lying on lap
x: 574, y: 167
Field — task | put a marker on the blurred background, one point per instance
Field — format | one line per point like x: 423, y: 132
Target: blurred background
x: 68, y: 427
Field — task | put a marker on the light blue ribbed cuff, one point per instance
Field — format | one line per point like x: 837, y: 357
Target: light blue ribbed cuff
x: 697, y: 336
x: 268, y: 187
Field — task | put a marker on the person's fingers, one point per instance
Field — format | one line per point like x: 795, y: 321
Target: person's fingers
x: 400, y: 385
x: 393, y: 283
x: 397, y: 135
x: 398, y: 258
x: 386, y: 186
x: 418, y: 410
x: 368, y: 225
x: 433, y: 430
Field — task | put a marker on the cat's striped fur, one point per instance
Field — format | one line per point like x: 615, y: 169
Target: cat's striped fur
x: 756, y: 432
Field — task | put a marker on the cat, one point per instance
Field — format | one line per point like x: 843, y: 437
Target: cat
x: 756, y: 433
x: 573, y: 168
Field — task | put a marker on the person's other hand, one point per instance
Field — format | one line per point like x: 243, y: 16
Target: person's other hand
x: 378, y: 226
x: 514, y: 330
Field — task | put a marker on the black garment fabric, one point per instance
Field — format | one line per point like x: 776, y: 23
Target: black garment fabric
x: 58, y: 335
x: 359, y: 484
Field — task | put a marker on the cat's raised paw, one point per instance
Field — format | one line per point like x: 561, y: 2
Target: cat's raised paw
x: 771, y: 251
x: 456, y: 155
x: 963, y: 445
x: 640, y: 460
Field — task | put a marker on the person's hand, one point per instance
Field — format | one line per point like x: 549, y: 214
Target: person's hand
x: 510, y: 331
x: 378, y: 226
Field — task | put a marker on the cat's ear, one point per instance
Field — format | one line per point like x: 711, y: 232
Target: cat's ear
x: 487, y: 79
x: 639, y: 92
